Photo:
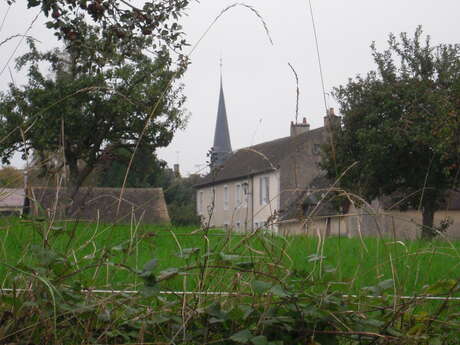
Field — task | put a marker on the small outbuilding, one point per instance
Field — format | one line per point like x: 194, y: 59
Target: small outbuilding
x: 12, y: 201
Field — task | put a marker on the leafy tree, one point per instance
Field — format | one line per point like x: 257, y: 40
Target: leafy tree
x: 145, y: 170
x: 91, y: 100
x: 121, y: 22
x: 401, y: 124
x: 181, y: 199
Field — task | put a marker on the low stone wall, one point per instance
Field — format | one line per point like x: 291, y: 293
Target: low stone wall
x: 105, y: 205
x: 400, y: 225
x: 314, y: 226
x: 406, y: 225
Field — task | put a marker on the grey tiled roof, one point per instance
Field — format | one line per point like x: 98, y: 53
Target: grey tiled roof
x: 257, y: 159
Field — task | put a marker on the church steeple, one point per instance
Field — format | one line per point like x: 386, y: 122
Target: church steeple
x: 222, y: 147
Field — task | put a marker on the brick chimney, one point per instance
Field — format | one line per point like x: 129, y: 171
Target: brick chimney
x: 176, y: 170
x: 331, y: 120
x: 299, y: 128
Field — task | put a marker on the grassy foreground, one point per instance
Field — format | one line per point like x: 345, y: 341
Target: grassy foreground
x: 343, y: 264
x: 283, y: 291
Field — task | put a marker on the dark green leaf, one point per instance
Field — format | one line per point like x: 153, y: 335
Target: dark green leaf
x: 326, y: 339
x: 150, y: 265
x: 229, y: 257
x: 247, y: 310
x: 386, y: 284
x: 188, y: 252
x: 104, y: 316
x: 168, y: 273
x: 277, y: 290
x: 392, y: 331
x: 260, y: 287
x: 159, y: 318
x: 242, y: 337
x: 315, y: 257
x: 245, y: 264
x: 150, y: 291
x: 259, y: 340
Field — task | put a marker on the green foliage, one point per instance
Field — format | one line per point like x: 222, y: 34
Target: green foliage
x: 122, y: 24
x: 10, y: 177
x: 398, y: 126
x: 180, y: 196
x: 81, y: 108
x: 412, y: 266
x: 184, y: 214
x: 146, y: 169
x: 269, y: 303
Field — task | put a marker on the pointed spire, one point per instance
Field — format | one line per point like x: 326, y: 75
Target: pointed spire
x: 222, y: 147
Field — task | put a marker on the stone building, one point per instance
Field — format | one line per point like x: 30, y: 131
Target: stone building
x: 256, y: 186
x: 279, y: 185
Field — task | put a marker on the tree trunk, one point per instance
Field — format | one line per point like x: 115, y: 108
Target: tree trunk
x: 74, y: 177
x: 77, y: 176
x: 428, y: 231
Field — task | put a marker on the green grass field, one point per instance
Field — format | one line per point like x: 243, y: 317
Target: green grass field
x: 342, y: 264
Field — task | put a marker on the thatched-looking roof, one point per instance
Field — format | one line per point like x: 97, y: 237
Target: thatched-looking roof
x: 106, y: 205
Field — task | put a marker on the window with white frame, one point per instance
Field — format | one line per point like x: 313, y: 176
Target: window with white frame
x: 264, y: 188
x: 225, y: 197
x: 238, y: 194
x: 200, y: 202
x: 211, y: 202
x: 245, y: 188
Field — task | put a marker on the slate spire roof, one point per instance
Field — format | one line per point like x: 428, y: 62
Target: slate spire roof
x: 222, y: 147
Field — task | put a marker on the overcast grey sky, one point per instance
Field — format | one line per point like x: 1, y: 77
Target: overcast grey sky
x: 258, y: 84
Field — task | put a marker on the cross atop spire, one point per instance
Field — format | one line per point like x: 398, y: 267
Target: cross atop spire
x: 222, y: 147
x: 221, y: 64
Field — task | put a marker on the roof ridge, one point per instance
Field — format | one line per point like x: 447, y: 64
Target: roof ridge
x: 260, y: 158
x: 280, y: 139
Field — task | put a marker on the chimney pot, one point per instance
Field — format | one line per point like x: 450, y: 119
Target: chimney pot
x: 176, y: 170
x: 331, y: 120
x: 299, y: 127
